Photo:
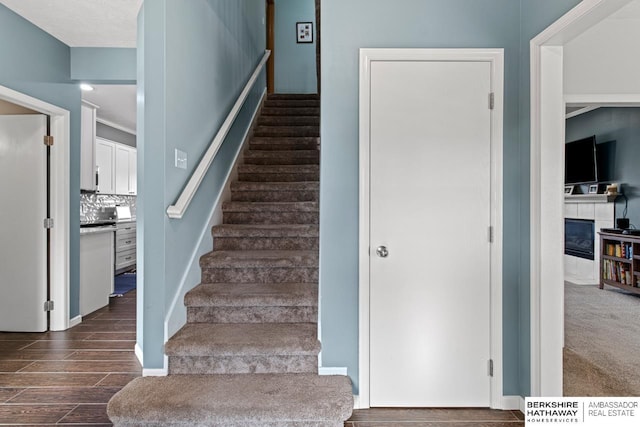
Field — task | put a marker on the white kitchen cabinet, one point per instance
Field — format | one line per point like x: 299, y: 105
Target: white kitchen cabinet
x: 96, y: 269
x: 87, y: 147
x: 133, y: 171
x: 105, y: 166
x: 122, y: 169
x: 125, y: 170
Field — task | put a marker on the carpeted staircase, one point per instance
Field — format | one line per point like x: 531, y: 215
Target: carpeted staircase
x: 248, y: 355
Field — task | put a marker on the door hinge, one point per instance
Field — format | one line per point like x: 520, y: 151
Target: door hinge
x: 492, y: 100
x: 48, y: 306
x: 48, y: 140
x: 48, y: 223
x: 490, y: 367
x: 490, y: 234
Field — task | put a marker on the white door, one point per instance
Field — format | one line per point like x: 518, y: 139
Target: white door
x: 430, y: 183
x: 23, y: 238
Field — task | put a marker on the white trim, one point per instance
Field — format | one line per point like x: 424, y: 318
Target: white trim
x: 115, y: 125
x: 332, y: 371
x: 60, y: 130
x: 173, y: 321
x: 511, y: 403
x: 356, y: 402
x: 546, y: 212
x: 155, y: 372
x: 92, y: 105
x: 603, y: 100
x: 75, y: 321
x: 496, y: 58
x: 177, y: 210
x: 581, y: 111
x: 139, y: 355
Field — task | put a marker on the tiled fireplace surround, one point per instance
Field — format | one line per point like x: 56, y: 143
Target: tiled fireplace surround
x: 585, y: 271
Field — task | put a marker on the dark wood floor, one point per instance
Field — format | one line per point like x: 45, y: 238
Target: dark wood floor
x: 67, y: 378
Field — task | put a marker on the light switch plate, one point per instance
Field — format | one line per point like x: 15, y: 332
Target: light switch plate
x: 181, y: 159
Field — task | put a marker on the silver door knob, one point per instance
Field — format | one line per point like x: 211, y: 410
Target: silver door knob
x: 382, y: 251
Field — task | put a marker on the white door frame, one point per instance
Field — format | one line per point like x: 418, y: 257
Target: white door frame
x: 60, y: 130
x: 496, y: 58
x: 547, y: 183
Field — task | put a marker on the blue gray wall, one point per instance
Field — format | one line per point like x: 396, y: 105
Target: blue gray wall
x: 617, y: 132
x: 188, y: 80
x: 348, y: 26
x: 295, y: 63
x: 103, y: 64
x: 117, y: 135
x: 38, y: 65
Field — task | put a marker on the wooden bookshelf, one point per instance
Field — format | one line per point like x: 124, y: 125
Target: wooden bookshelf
x: 620, y: 261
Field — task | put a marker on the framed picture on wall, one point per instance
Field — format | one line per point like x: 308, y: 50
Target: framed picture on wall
x: 304, y: 32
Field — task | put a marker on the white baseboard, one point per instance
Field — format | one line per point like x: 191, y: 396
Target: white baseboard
x: 161, y: 372
x: 154, y: 372
x: 75, y: 321
x: 138, y: 352
x: 511, y: 403
x: 332, y: 371
x: 356, y: 402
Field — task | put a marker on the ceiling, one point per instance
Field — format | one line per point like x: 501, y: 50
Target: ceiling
x: 83, y: 23
x: 91, y: 23
x: 117, y: 105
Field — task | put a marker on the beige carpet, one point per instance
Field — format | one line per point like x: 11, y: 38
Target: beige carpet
x: 602, y: 342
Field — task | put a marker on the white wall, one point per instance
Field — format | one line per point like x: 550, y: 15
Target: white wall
x: 604, y: 60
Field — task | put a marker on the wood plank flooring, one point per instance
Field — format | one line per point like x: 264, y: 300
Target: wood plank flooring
x: 67, y: 378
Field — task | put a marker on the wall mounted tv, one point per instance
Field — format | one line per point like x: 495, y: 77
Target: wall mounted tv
x: 580, y: 163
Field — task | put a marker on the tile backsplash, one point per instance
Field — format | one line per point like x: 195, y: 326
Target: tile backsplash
x: 90, y: 204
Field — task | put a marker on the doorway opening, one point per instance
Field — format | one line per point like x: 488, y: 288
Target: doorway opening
x: 548, y: 108
x: 59, y: 202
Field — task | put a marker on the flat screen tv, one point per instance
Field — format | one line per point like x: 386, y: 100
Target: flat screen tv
x: 580, y: 163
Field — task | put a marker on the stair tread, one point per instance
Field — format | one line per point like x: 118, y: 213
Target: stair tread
x: 278, y: 168
x: 281, y: 153
x: 260, y: 259
x: 244, y: 339
x: 270, y: 207
x: 233, y: 400
x: 275, y: 186
x: 285, y: 96
x: 253, y: 295
x: 266, y: 230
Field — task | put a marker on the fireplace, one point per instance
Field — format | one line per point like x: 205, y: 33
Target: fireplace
x: 579, y: 237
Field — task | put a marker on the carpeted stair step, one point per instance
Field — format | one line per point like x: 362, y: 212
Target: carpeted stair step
x: 289, y: 131
x: 243, y: 191
x: 233, y: 401
x: 292, y: 103
x: 284, y: 143
x: 236, y: 237
x: 278, y: 173
x: 270, y: 212
x: 294, y: 120
x: 244, y: 348
x: 294, y: 96
x: 283, y: 111
x: 260, y: 267
x: 252, y: 303
x: 271, y: 157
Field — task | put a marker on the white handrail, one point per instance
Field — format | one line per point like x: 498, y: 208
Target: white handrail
x: 177, y: 210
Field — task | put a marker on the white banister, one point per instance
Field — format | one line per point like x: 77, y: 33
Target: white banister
x: 178, y: 209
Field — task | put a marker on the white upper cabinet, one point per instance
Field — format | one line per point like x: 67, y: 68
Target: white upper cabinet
x: 122, y: 169
x: 133, y: 171
x: 87, y: 147
x: 105, y: 166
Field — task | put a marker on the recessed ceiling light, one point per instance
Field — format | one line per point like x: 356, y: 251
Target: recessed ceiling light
x: 86, y: 87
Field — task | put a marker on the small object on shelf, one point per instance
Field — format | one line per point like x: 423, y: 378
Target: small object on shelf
x: 612, y: 189
x: 568, y: 189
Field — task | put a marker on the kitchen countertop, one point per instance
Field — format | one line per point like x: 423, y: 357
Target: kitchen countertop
x: 95, y: 230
